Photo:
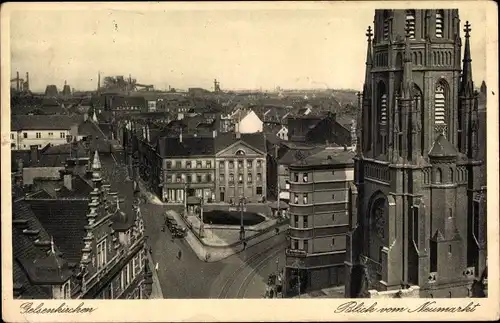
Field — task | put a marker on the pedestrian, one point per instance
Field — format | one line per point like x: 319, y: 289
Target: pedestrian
x: 277, y: 230
x: 156, y: 267
x: 179, y: 254
x: 244, y: 245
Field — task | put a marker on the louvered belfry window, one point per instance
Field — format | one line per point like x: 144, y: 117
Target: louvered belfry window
x: 439, y: 23
x: 439, y: 105
x: 383, y: 109
x: 386, y: 24
x: 410, y: 23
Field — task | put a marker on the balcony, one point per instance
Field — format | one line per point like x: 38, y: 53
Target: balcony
x: 295, y: 252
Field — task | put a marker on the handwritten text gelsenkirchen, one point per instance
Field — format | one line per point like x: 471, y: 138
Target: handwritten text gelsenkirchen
x: 29, y: 308
x: 427, y: 307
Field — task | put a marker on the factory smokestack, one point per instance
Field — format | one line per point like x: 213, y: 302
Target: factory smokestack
x: 27, y: 87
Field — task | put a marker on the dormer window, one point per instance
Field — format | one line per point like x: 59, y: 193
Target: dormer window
x: 410, y: 23
x: 439, y: 23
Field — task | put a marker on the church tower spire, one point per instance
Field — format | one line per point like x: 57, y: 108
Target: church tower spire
x: 467, y: 86
x: 366, y: 140
x: 466, y: 102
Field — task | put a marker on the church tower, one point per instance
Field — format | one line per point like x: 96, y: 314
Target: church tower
x: 414, y: 225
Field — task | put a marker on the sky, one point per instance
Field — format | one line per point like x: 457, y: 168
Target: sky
x: 244, y: 47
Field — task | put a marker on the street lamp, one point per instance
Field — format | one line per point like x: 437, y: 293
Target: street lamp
x: 242, y: 204
x: 202, y: 225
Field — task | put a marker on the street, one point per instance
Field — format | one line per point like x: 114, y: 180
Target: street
x: 234, y: 277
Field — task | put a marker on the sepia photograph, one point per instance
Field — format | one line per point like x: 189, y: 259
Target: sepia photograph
x: 288, y: 151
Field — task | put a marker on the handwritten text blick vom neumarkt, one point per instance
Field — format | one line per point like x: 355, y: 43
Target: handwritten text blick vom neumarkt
x: 30, y: 308
x: 427, y: 307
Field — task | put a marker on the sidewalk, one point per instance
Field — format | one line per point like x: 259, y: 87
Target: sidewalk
x: 156, y: 293
x: 330, y: 292
x: 212, y: 253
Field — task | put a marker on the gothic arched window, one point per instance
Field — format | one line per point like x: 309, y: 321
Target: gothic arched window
x: 410, y: 23
x: 386, y: 25
x: 439, y: 176
x: 439, y: 23
x: 440, y: 103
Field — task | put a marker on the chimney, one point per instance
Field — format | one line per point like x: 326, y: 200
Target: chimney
x: 238, y: 134
x: 214, y: 133
x: 34, y: 156
x: 68, y: 181
x: 27, y: 81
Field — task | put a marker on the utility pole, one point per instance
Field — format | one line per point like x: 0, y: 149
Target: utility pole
x: 242, y: 203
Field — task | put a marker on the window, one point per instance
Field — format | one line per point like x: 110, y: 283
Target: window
x: 189, y: 178
x: 333, y: 172
x: 439, y: 104
x: 296, y: 220
x: 221, y: 165
x: 383, y: 109
x: 333, y: 197
x: 12, y: 136
x: 296, y: 177
x: 333, y: 242
x: 198, y: 179
x: 231, y: 164
x: 259, y: 190
x: 304, y: 198
x: 305, y: 177
x: 128, y: 276
x: 296, y: 199
x: 410, y: 23
x: 38, y: 135
x: 51, y: 134
x: 386, y: 24
x: 209, y: 178
x: 439, y: 176
x: 259, y: 177
x: 439, y: 23
x: 333, y: 217
x: 62, y: 135
x: 305, y: 221
x: 231, y: 178
x: 449, y: 250
x: 198, y: 164
x: 306, y: 245
x: 450, y: 213
x: 221, y: 178
x: 249, y: 163
x: 209, y: 164
x: 240, y: 153
x: 101, y: 254
x: 249, y: 177
x: 259, y: 164
x: 178, y: 164
x: 188, y: 164
x: 66, y: 290
x: 240, y: 178
x: 179, y: 178
x: 295, y: 244
x: 240, y: 164
x: 169, y: 165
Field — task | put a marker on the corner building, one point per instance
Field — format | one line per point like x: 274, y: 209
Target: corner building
x: 417, y: 217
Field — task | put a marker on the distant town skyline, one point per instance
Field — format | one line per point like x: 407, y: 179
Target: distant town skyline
x: 320, y: 45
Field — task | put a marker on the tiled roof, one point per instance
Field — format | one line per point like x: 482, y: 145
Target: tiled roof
x: 190, y: 146
x: 256, y: 140
x: 442, y: 148
x: 25, y: 251
x: 331, y: 155
x: 88, y: 127
x: 129, y: 101
x: 72, y: 214
x: 290, y: 156
x: 44, y: 122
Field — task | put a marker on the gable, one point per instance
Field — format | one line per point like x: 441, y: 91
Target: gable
x: 239, y: 146
x: 250, y: 118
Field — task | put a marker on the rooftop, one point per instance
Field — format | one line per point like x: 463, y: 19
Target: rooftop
x: 44, y: 122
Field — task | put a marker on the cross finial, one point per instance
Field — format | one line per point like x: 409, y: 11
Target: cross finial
x: 369, y: 33
x: 467, y: 29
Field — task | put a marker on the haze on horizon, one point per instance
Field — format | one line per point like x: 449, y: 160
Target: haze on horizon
x: 243, y: 49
